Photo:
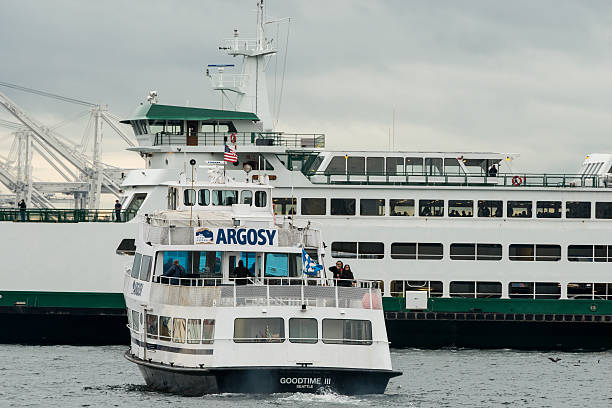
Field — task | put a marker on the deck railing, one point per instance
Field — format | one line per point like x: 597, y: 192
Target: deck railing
x: 516, y: 180
x: 290, y: 140
x: 64, y: 215
x: 273, y: 291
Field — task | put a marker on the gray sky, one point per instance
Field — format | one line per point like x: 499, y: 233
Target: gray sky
x: 529, y: 77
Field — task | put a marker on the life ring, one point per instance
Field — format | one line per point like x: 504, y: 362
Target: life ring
x: 233, y: 138
x: 517, y: 180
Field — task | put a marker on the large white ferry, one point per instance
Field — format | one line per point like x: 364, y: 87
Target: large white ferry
x: 467, y: 251
x: 276, y: 325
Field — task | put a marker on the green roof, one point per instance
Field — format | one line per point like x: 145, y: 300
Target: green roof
x: 169, y: 112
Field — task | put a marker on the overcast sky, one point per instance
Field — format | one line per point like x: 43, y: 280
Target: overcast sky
x: 528, y: 77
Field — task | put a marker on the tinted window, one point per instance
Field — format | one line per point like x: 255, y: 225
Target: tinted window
x: 429, y: 251
x: 284, y: 206
x: 577, y: 209
x: 395, y: 165
x: 548, y: 209
x: 490, y: 208
x: 521, y: 252
x: 204, y: 197
x: 165, y: 328
x: 259, y: 330
x: 152, y: 327
x: 371, y: 207
x: 345, y: 331
x: 488, y: 252
x: 303, y: 330
x: 433, y: 167
x: 208, y: 332
x: 548, y: 252
x: 376, y: 165
x: 401, y: 207
x: 431, y: 208
x: 145, y: 268
x: 519, y: 209
x: 414, y: 165
x: 246, y: 197
x: 400, y: 250
x: 337, y: 165
x: 224, y: 197
x: 488, y: 289
x: 580, y: 253
x: 462, y: 289
x: 460, y: 208
x: 603, y: 210
x: 463, y: 251
x: 136, y: 266
x: 189, y: 197
x: 342, y: 206
x: 356, y: 165
x: 261, y: 199
x: 371, y: 250
x: 313, y: 206
x: 344, y: 250
x: 433, y: 287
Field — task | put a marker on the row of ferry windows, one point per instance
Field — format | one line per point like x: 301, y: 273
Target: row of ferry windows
x: 435, y: 208
x: 516, y: 290
x: 254, y: 330
x: 436, y: 166
x: 223, y: 197
x: 471, y: 251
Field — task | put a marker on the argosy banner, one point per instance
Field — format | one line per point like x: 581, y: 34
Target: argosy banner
x: 236, y: 236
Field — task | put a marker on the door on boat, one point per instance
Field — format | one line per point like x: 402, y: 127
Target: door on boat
x: 251, y: 261
x: 192, y: 133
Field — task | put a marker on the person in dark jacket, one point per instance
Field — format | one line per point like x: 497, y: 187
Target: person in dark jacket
x: 336, y: 270
x: 22, y: 210
x: 175, y: 271
x: 346, y: 277
x: 241, y: 274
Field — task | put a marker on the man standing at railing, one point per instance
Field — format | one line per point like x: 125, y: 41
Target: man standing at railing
x: 22, y: 210
x: 175, y: 271
x: 117, y: 211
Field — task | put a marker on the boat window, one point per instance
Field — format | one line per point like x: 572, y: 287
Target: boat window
x: 249, y: 261
x: 520, y: 289
x: 178, y: 330
x: 475, y: 166
x: 135, y: 320
x: 548, y: 252
x: 521, y: 252
x: 152, y: 327
x: 259, y: 330
x: 488, y: 252
x: 371, y: 250
x: 395, y: 165
x: 277, y: 265
x: 603, y: 210
x: 488, y: 289
x: 135, y: 204
x: 337, y: 165
x: 460, y: 208
x: 303, y: 330
x: 145, y: 268
x: 194, y: 328
x: 129, y: 316
x: 403, y: 208
x: 580, y: 253
x: 371, y: 207
x: 431, y: 208
x: 375, y: 167
x: 356, y: 165
x: 261, y: 199
x: 189, y: 197
x: 181, y: 256
x: 344, y: 250
x: 451, y: 166
x: 433, y: 166
x: 429, y: 251
x: 543, y: 290
x: 414, y: 165
x: 204, y: 197
x: 246, y: 197
x: 589, y: 291
x: 347, y: 331
x: 490, y: 208
x: 342, y: 206
x: 601, y: 253
x: 463, y: 252
x: 434, y: 288
x: 208, y: 333
x: 136, y: 266
x: 313, y: 206
x: 165, y: 328
x: 548, y: 209
x: 403, y: 250
x: 284, y: 206
x: 462, y: 289
x: 519, y: 209
x: 224, y: 197
x: 578, y: 209
x: 172, y: 198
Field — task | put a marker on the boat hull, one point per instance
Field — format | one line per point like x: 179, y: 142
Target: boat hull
x: 262, y: 380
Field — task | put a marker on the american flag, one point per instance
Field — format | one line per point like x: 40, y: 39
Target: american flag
x: 230, y: 155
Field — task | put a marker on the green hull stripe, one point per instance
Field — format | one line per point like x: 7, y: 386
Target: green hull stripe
x: 62, y: 299
x: 531, y: 306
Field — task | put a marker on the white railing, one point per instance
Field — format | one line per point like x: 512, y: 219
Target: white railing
x: 246, y: 45
x: 232, y: 81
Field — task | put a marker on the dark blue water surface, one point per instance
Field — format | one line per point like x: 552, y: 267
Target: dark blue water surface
x: 63, y: 376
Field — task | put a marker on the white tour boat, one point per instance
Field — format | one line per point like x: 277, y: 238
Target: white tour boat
x: 200, y: 328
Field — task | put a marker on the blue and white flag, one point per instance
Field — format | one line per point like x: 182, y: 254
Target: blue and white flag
x: 310, y: 267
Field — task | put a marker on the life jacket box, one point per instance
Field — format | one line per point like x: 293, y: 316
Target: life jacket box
x: 416, y: 300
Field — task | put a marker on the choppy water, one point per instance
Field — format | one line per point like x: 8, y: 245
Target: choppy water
x: 63, y: 376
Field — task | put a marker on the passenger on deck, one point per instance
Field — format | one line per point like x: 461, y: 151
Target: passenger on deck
x: 175, y: 271
x: 241, y: 274
x: 336, y: 270
x: 493, y: 171
x: 346, y: 277
x: 22, y: 210
x: 117, y: 211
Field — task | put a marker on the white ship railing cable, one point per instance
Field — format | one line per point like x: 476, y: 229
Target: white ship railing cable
x: 290, y: 140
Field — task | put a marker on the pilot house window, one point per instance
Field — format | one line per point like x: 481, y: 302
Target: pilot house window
x: 189, y: 197
x: 224, y: 197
